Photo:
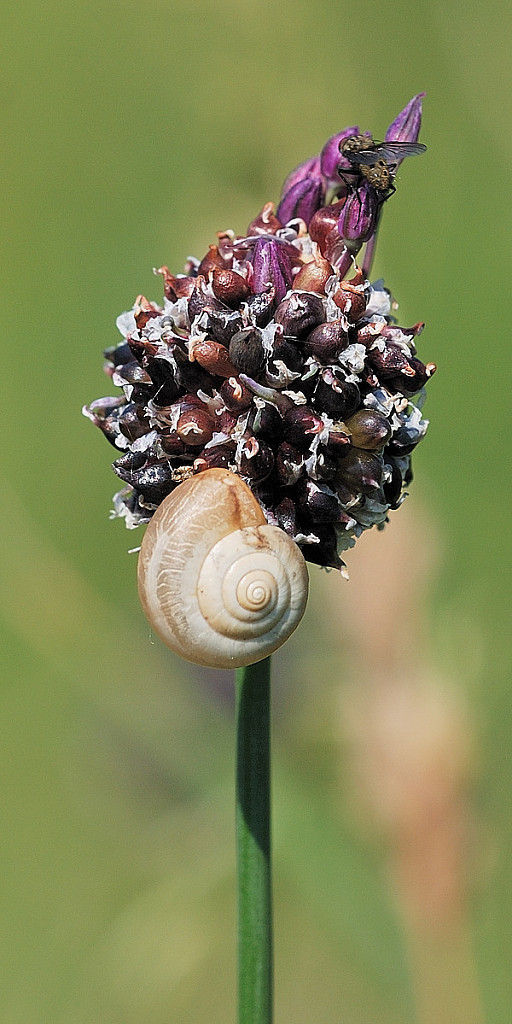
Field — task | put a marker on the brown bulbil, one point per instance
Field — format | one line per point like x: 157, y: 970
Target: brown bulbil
x: 323, y: 229
x: 230, y: 287
x: 132, y: 422
x: 256, y: 459
x: 195, y: 427
x: 235, y: 395
x: 338, y: 436
x: 313, y: 276
x: 171, y: 443
x: 214, y: 357
x: 144, y: 311
x: 266, y: 223
x: 176, y: 287
x: 390, y: 361
x: 350, y: 297
x: 133, y: 373
x: 213, y: 261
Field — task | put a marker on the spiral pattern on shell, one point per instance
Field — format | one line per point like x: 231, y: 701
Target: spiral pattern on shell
x: 219, y: 585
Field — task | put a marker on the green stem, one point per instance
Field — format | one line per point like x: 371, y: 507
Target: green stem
x: 255, y: 964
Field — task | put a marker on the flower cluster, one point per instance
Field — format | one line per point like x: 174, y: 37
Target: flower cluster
x: 265, y: 360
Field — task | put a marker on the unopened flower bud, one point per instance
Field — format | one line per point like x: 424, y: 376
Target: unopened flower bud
x: 359, y: 215
x: 406, y: 127
x: 302, y: 200
x: 272, y: 268
x: 308, y: 168
x: 330, y: 155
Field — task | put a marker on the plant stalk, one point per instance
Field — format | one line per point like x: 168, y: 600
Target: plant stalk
x: 254, y: 883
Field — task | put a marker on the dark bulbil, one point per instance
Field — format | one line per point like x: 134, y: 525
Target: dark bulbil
x: 246, y: 351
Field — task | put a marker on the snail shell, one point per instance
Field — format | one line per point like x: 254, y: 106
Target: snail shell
x: 219, y: 585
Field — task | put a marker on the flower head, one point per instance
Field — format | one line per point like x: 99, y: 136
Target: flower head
x: 264, y: 359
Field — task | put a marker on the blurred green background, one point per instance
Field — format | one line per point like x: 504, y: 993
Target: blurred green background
x: 131, y: 134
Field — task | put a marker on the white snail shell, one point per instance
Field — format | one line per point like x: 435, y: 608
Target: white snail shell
x: 219, y: 585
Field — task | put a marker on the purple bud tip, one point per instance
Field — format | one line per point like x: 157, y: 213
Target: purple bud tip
x: 406, y: 127
x: 303, y: 199
x: 272, y: 268
x: 330, y: 155
x: 309, y: 168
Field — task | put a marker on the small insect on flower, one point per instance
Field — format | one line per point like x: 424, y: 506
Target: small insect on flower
x: 376, y: 162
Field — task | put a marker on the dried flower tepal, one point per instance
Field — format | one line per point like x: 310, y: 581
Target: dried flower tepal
x: 274, y: 357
